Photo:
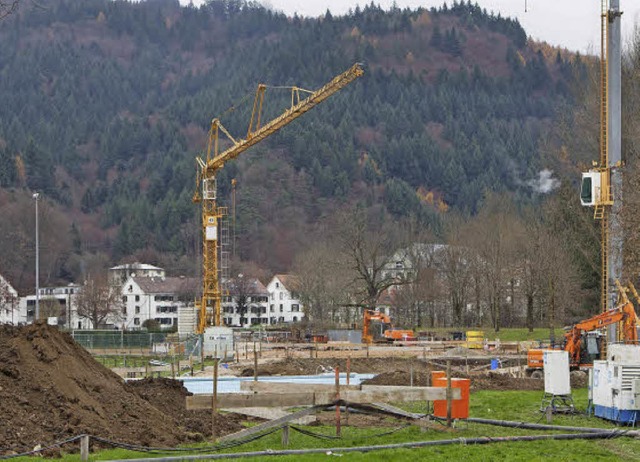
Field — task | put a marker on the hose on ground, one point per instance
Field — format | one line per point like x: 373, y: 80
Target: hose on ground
x: 410, y: 445
x: 536, y: 426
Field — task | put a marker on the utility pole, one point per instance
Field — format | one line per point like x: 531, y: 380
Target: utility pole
x: 36, y: 197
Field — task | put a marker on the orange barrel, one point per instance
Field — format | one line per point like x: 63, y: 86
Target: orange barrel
x: 459, y: 407
x: 436, y: 375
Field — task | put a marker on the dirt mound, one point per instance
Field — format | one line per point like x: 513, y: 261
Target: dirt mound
x: 169, y: 396
x: 310, y: 366
x: 51, y: 389
x: 494, y: 381
x: 420, y: 379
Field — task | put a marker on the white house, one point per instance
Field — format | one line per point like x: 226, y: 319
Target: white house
x: 10, y: 304
x: 156, y: 298
x: 55, y: 302
x: 246, y: 304
x: 119, y: 274
x: 284, y: 306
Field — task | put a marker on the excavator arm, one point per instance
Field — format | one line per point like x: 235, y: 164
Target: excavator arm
x: 624, y: 314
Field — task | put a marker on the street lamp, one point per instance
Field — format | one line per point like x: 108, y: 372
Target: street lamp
x: 36, y: 196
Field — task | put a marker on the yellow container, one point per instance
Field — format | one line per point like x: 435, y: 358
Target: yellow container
x: 475, y: 339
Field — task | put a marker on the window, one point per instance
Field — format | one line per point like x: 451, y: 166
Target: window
x: 295, y: 307
x: 136, y: 321
x: 124, y: 310
x: 79, y: 324
x: 137, y: 298
x: 124, y: 299
x: 295, y: 319
x: 281, y: 295
x: 271, y: 308
x: 137, y: 310
x: 130, y: 288
x: 277, y: 285
x: 281, y: 307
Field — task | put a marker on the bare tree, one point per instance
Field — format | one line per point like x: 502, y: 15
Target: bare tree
x: 497, y: 234
x: 370, y: 251
x: 8, y: 7
x: 413, y: 303
x: 98, y: 301
x: 532, y: 265
x: 8, y: 301
x: 321, y: 283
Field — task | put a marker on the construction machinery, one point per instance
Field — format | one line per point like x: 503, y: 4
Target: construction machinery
x: 583, y: 341
x: 209, y: 306
x: 602, y: 185
x: 387, y: 333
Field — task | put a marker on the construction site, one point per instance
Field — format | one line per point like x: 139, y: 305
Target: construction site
x: 375, y: 390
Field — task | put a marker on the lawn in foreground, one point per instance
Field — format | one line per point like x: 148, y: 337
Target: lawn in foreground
x: 506, y: 405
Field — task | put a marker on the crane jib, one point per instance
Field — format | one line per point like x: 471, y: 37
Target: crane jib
x: 289, y: 115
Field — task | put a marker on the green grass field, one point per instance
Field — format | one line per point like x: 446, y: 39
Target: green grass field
x: 511, y: 405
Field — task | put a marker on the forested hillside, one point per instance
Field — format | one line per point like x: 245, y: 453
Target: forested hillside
x: 105, y: 104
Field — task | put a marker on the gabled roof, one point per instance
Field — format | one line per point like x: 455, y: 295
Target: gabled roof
x: 136, y: 266
x: 5, y: 286
x: 289, y: 281
x: 247, y: 286
x: 171, y: 285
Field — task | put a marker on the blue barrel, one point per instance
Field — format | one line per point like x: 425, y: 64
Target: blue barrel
x: 495, y: 364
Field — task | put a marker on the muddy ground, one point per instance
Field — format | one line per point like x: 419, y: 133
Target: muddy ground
x: 52, y: 389
x: 309, y: 366
x: 479, y: 381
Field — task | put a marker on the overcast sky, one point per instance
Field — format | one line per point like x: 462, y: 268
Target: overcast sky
x: 573, y: 24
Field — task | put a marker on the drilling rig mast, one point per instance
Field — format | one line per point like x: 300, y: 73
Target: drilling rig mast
x: 602, y: 185
x: 210, y: 303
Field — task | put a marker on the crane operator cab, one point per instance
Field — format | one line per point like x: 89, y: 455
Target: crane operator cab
x: 595, y: 189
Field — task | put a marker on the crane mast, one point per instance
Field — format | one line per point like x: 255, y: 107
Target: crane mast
x: 209, y: 306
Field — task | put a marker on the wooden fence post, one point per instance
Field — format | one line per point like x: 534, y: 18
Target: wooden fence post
x: 84, y: 448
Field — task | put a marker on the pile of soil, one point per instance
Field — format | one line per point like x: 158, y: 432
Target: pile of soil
x: 311, y: 366
x: 169, y: 396
x: 51, y: 389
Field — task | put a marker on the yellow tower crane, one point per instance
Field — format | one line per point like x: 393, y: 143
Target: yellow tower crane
x: 209, y: 304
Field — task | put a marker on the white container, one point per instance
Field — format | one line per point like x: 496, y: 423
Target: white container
x: 218, y: 341
x: 624, y: 354
x: 616, y: 384
x: 556, y: 373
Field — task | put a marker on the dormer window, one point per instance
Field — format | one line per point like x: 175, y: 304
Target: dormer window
x: 277, y: 285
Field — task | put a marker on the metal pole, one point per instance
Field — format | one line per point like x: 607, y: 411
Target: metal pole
x: 449, y: 403
x: 614, y: 93
x: 36, y: 196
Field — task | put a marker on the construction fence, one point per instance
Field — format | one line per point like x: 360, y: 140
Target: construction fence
x: 115, y: 342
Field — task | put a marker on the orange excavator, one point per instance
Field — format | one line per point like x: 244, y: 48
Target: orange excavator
x: 387, y: 332
x: 583, y: 340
